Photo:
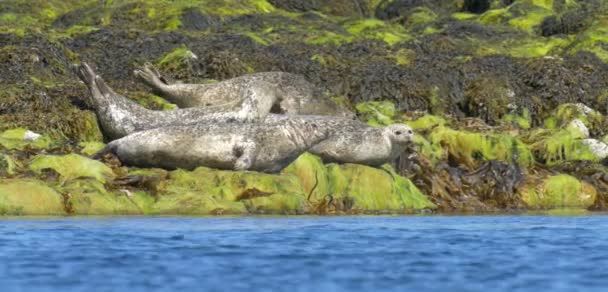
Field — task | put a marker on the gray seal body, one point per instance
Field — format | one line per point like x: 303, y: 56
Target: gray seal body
x: 119, y: 116
x: 230, y: 146
x: 352, y: 141
x: 295, y: 95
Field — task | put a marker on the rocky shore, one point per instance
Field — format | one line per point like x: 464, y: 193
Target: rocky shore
x: 508, y: 100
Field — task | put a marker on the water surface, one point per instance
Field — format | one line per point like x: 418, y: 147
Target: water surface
x: 509, y: 253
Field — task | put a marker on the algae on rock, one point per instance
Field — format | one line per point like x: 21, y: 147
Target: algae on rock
x: 557, y: 192
x: 73, y: 166
x: 29, y: 197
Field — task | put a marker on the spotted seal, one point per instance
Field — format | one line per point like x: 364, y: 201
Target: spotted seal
x: 352, y: 141
x: 295, y: 95
x: 119, y: 116
x: 231, y: 146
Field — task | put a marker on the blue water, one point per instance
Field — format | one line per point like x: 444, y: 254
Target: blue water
x: 508, y: 253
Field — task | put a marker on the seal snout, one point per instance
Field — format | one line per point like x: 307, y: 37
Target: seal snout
x: 400, y: 133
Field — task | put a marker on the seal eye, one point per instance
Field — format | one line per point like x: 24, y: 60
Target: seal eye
x: 409, y: 131
x: 398, y: 133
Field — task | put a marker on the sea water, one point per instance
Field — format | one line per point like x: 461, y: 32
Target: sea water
x: 425, y: 253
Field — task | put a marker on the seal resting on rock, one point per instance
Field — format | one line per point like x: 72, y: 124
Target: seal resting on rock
x: 231, y: 146
x: 295, y: 95
x: 119, y: 116
x: 352, y: 141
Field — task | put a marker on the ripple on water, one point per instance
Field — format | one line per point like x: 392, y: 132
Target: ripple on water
x: 303, y: 254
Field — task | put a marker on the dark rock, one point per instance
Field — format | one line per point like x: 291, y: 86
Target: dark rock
x: 193, y: 19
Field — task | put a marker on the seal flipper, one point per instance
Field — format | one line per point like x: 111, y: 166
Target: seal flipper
x: 110, y: 148
x: 160, y: 77
x: 151, y: 77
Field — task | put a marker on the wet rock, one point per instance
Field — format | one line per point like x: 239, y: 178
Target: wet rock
x: 20, y: 138
x: 598, y: 148
x: 29, y: 197
x: 559, y: 191
x: 297, y: 5
x: 8, y: 165
x: 90, y: 197
x: 193, y: 19
x: 72, y: 166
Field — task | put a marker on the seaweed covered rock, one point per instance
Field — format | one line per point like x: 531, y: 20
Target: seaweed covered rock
x: 7, y: 165
x: 226, y: 192
x: 72, y: 166
x: 470, y: 148
x: 29, y: 197
x: 496, y: 90
x: 90, y: 197
x: 363, y: 189
x: 573, y: 133
x: 559, y: 191
x: 20, y: 138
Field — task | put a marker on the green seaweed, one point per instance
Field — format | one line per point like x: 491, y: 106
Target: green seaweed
x: 558, y: 192
x: 29, y: 197
x: 72, y: 166
x: 377, y: 113
x: 470, y: 148
x: 15, y: 139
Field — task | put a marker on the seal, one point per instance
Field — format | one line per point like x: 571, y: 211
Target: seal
x: 119, y: 116
x: 230, y: 146
x: 352, y: 141
x: 295, y: 95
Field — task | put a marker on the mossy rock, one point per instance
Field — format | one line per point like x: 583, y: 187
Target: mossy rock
x: 179, y: 61
x: 29, y: 197
x: 8, y: 165
x: 312, y: 175
x: 90, y: 197
x: 16, y: 139
x: 426, y: 122
x: 90, y: 148
x: 370, y: 190
x: 72, y: 166
x: 556, y: 146
x: 227, y: 191
x: 195, y: 203
x: 376, y: 113
x: 559, y: 192
x: 151, y: 101
x: 277, y: 204
x: 591, y: 40
x: 469, y: 148
x: 566, y: 113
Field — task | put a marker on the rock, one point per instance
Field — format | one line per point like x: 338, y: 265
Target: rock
x: 90, y: 197
x: 29, y: 197
x: 90, y: 148
x: 558, y: 192
x: 312, y: 174
x: 364, y: 189
x: 598, y: 148
x: 19, y: 138
x: 470, y: 148
x: 7, y: 165
x: 31, y: 136
x: 229, y: 192
x: 72, y: 166
x: 376, y: 113
x: 578, y: 128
